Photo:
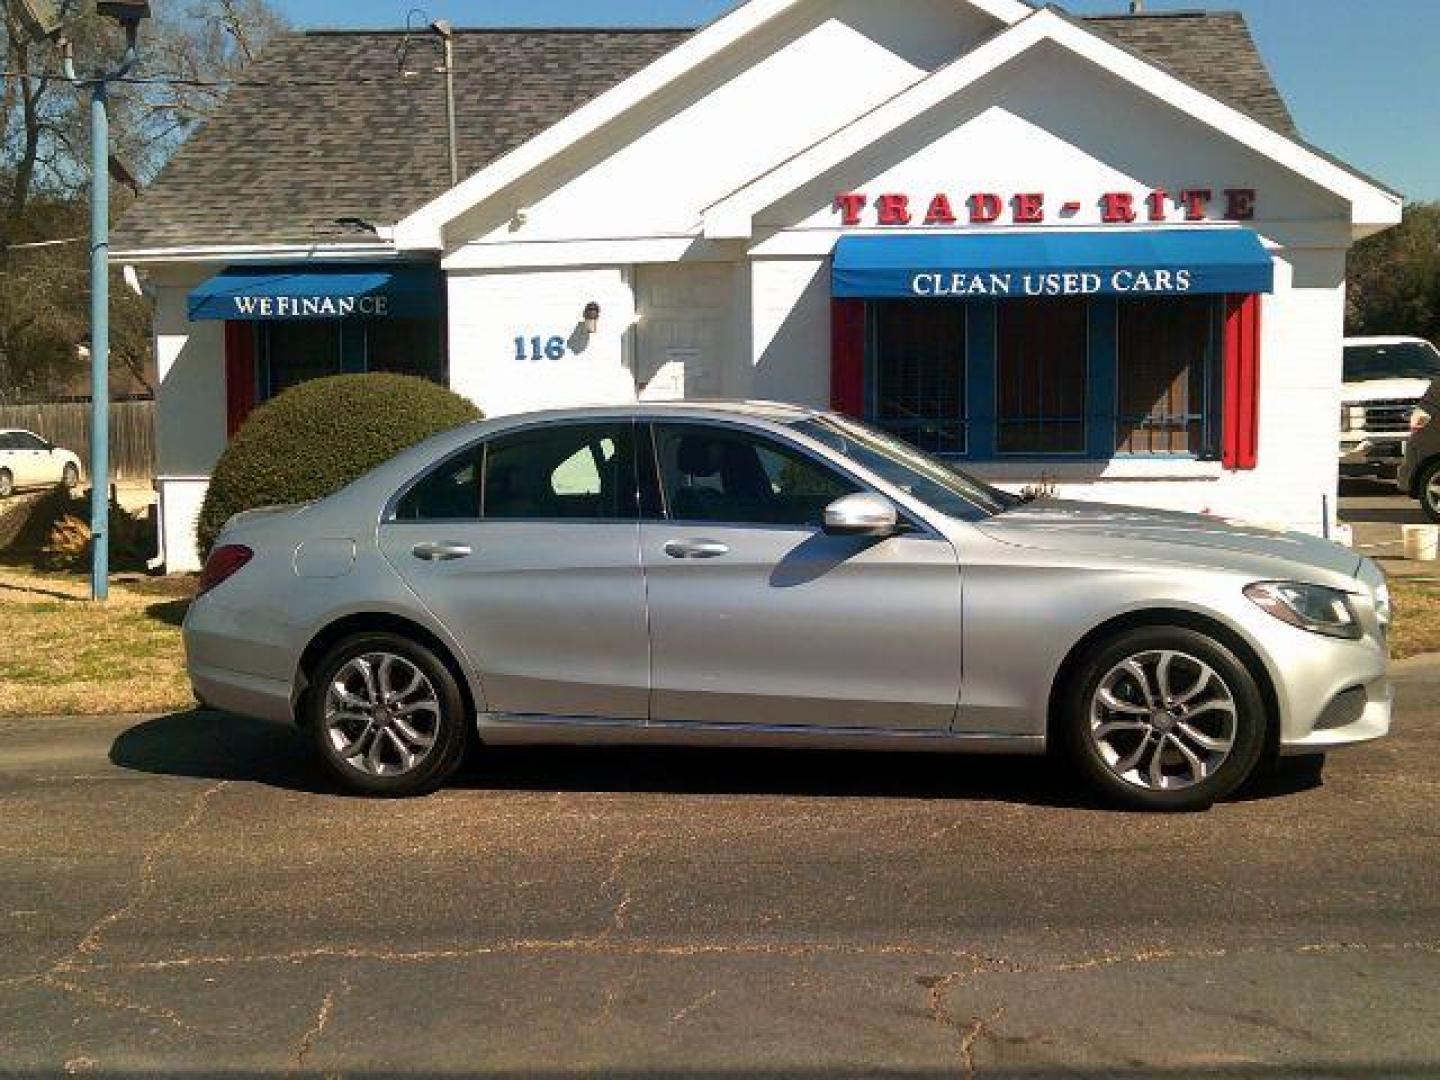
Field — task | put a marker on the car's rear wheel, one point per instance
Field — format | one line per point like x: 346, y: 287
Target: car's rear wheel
x: 71, y: 476
x: 1427, y: 490
x: 1164, y: 718
x: 7, y: 484
x: 387, y: 716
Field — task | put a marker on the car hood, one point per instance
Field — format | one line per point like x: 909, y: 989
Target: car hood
x: 1385, y: 390
x: 1159, y: 535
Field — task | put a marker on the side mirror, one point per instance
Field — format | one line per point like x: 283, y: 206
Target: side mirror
x: 865, y: 514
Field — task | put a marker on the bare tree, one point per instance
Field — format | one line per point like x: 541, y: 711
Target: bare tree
x: 192, y: 50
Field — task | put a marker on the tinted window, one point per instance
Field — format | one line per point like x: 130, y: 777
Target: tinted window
x: 566, y: 472
x: 720, y: 475
x: 7, y: 441
x: 450, y: 493
x: 1406, y: 360
x: 26, y: 441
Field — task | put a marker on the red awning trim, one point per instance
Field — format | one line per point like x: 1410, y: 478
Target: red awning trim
x: 847, y: 357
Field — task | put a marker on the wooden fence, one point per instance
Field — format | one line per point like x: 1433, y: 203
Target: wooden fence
x: 67, y: 424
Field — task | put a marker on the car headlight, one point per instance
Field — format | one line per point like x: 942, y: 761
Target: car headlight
x: 1309, y: 607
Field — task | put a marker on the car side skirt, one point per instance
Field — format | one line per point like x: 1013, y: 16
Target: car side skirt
x: 503, y: 729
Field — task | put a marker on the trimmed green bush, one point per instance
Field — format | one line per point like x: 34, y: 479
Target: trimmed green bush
x: 314, y: 439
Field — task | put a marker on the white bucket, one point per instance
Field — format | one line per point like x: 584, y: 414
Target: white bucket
x: 1422, y: 542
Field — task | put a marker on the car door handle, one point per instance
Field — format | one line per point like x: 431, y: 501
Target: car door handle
x: 442, y: 552
x: 696, y: 549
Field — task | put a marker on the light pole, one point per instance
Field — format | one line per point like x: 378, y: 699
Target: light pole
x: 128, y: 13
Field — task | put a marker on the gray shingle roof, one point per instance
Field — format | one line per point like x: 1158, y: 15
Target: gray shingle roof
x: 1211, y: 50
x: 333, y: 130
x: 336, y: 131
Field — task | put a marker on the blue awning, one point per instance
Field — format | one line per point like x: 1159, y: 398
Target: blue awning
x: 370, y: 291
x: 1160, y: 262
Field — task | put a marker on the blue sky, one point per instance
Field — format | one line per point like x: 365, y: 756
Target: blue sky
x: 1358, y: 74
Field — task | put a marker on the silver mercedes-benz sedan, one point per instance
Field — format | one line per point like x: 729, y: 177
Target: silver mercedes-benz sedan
x: 764, y: 575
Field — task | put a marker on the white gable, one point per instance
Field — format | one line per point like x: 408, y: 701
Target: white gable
x: 1051, y: 124
x: 1059, y: 78
x: 653, y: 166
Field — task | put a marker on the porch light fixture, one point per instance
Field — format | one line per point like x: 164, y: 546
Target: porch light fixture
x: 592, y: 318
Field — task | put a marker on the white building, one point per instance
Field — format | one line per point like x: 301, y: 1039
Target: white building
x: 1093, y: 253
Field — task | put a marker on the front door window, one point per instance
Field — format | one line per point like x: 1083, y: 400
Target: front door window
x: 715, y: 474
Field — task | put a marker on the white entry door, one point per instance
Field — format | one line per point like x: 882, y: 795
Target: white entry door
x: 683, y: 333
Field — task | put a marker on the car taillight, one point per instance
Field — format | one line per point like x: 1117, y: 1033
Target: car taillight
x: 222, y: 565
x: 1419, y: 419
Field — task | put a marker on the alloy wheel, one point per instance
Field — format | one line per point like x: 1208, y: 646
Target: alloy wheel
x: 1432, y: 494
x: 1163, y: 721
x: 382, y: 714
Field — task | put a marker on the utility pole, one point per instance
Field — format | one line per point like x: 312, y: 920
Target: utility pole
x: 129, y: 14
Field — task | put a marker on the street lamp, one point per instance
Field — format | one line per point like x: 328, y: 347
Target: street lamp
x: 41, y: 19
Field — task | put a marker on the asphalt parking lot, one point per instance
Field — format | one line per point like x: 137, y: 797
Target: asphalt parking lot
x: 1377, y: 513
x: 183, y: 896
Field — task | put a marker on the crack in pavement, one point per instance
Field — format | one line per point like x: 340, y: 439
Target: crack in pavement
x: 322, y: 1020
x: 973, y: 1033
x: 90, y: 943
x: 694, y: 1007
x: 619, y: 915
x: 119, y: 1003
x: 605, y: 945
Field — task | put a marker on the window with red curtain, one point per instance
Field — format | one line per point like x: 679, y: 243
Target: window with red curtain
x: 1166, y: 357
x: 1042, y: 353
x: 240, y: 374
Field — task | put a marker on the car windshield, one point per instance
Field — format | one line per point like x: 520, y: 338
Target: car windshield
x: 1403, y: 360
x: 913, y: 471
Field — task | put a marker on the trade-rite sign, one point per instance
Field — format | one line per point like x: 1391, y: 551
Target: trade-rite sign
x: 892, y: 210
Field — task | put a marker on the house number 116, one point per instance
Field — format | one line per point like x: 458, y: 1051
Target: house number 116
x: 539, y: 349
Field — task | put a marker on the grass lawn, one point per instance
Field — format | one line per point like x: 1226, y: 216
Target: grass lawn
x: 62, y: 655
x: 1417, y: 618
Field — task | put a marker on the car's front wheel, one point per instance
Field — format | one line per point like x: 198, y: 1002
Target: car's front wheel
x: 1427, y: 490
x: 70, y: 477
x: 387, y: 716
x: 7, y: 484
x: 1164, y: 718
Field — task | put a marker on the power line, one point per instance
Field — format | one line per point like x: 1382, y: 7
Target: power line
x: 222, y: 84
x: 44, y: 243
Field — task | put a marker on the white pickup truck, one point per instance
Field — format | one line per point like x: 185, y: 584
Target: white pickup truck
x: 1385, y: 378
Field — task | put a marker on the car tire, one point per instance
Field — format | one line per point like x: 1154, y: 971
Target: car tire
x: 7, y: 483
x: 1201, y: 715
x: 409, y: 704
x: 1427, y: 490
x: 70, y: 477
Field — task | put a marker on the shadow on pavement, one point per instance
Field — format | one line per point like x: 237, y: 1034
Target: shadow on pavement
x: 218, y: 746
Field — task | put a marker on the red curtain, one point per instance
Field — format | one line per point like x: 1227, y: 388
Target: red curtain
x: 847, y: 357
x: 1241, y: 448
x: 239, y: 374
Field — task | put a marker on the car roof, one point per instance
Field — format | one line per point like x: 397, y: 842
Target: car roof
x: 773, y: 411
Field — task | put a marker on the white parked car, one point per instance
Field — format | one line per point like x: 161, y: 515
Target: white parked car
x: 1385, y: 378
x: 28, y: 461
